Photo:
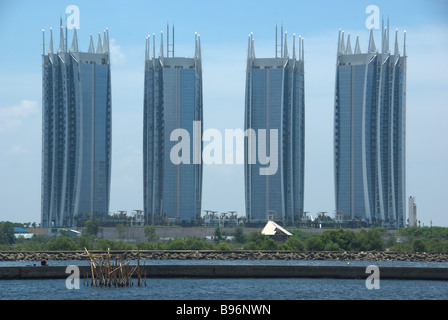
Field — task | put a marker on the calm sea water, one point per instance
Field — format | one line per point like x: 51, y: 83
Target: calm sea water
x: 229, y: 289
x: 232, y: 289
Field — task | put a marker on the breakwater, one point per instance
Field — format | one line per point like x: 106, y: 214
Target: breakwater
x: 237, y: 271
x: 234, y: 255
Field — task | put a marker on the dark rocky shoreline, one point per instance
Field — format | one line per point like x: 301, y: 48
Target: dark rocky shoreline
x: 234, y: 255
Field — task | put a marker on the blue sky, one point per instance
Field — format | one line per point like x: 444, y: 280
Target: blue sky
x: 224, y: 27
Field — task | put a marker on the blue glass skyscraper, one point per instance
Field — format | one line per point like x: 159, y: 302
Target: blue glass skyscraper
x: 172, y: 102
x: 369, y: 132
x: 76, y: 141
x: 275, y: 101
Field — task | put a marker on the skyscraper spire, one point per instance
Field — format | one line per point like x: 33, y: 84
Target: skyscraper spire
x: 146, y: 48
x: 294, y: 46
x: 388, y: 35
x: 348, y: 50
x: 404, y: 44
x: 252, y: 45
x: 99, y: 46
x: 91, y: 46
x: 285, y: 51
x: 341, y: 42
x: 199, y: 47
x: 153, y: 45
x: 385, y: 37
x: 397, y: 50
x: 74, y: 47
x: 43, y: 41
x: 372, y: 48
x: 357, y: 47
x: 161, y: 45
x: 50, y: 50
x: 303, y: 50
x: 106, y: 41
x: 61, y: 39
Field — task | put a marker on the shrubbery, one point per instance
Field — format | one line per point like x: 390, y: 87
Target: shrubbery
x: 415, y: 239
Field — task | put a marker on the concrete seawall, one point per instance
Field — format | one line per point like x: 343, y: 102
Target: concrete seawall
x: 238, y: 271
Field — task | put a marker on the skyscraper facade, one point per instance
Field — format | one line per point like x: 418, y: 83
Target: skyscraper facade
x: 275, y: 101
x: 76, y: 141
x: 369, y: 132
x: 172, y: 105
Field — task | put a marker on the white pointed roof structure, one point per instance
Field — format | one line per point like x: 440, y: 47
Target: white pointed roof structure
x: 397, y: 50
x: 271, y: 229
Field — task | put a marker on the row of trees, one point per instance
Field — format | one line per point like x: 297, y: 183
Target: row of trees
x: 413, y: 239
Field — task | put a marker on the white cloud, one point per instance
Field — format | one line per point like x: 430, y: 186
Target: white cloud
x: 18, y: 150
x: 12, y: 117
x: 116, y: 55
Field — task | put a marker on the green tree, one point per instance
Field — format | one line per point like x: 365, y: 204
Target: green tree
x: 314, y: 244
x: 239, y: 235
x: 258, y: 241
x: 218, y: 236
x: 7, y: 233
x: 62, y: 242
x: 150, y: 233
x: 418, y: 245
x: 91, y: 227
x: 293, y: 244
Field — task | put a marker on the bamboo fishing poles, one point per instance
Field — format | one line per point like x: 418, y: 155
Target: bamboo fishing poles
x: 109, y: 272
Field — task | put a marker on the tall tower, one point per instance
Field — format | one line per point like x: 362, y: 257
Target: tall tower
x: 369, y: 131
x: 172, y: 105
x: 412, y: 212
x: 76, y: 133
x: 275, y: 101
